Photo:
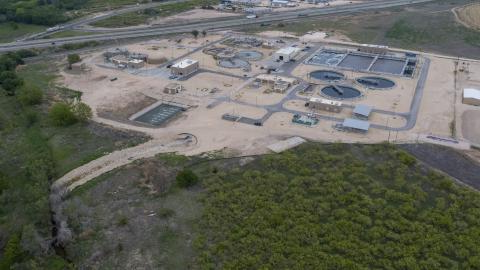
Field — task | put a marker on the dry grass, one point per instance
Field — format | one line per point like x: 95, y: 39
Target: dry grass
x: 470, y: 15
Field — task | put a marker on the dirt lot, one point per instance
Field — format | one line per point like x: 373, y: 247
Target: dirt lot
x: 137, y: 102
x: 471, y: 125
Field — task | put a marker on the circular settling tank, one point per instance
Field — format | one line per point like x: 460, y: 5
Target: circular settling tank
x: 249, y: 55
x: 340, y: 92
x: 233, y: 63
x: 376, y: 82
x: 327, y: 75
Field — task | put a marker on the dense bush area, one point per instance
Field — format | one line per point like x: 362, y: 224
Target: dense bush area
x: 338, y: 207
x: 186, y: 178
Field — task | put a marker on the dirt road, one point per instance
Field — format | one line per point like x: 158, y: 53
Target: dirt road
x: 95, y: 168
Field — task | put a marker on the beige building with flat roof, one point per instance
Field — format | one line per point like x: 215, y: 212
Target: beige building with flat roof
x: 278, y: 84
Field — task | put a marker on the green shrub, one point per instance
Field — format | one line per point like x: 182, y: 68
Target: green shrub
x: 186, y: 178
x: 406, y: 158
x: 30, y: 95
x: 10, y: 82
x: 72, y: 59
x: 31, y: 117
x: 122, y: 221
x: 165, y: 212
x: 61, y: 114
x: 82, y: 111
x: 12, y: 252
x: 3, y: 184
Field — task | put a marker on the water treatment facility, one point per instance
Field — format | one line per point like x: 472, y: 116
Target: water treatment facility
x: 265, y: 84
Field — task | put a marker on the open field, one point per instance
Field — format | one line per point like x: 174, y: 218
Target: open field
x: 470, y: 15
x: 430, y: 27
x: 142, y: 17
x: 10, y: 32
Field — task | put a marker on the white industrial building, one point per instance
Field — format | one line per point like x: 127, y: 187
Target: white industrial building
x: 471, y: 96
x: 279, y: 3
x: 286, y: 54
x: 325, y: 104
x: 184, y: 67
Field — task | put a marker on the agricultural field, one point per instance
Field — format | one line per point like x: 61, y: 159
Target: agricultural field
x: 323, y: 206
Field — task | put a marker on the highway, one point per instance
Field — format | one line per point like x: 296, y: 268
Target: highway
x: 209, y: 25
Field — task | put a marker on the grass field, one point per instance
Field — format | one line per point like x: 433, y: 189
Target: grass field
x: 142, y: 17
x: 12, y: 31
x: 110, y: 4
x: 69, y: 33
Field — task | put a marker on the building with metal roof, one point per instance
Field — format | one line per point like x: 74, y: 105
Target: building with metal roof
x: 471, y: 96
x: 362, y: 111
x: 286, y: 54
x: 355, y: 125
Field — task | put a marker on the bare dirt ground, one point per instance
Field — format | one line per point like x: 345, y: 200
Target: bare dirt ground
x: 137, y: 101
x: 192, y: 15
x: 469, y: 15
x: 471, y: 126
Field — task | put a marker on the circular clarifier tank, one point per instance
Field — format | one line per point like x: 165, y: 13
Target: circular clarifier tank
x: 376, y: 82
x: 340, y: 92
x: 327, y: 75
x: 233, y: 63
x: 249, y: 55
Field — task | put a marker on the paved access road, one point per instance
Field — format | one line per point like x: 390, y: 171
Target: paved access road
x: 209, y: 25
